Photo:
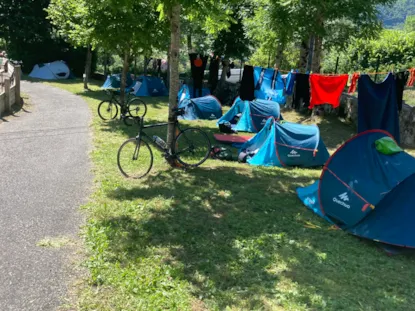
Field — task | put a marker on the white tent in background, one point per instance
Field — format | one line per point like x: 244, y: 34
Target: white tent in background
x: 56, y: 70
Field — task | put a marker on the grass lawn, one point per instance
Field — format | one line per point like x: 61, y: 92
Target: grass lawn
x: 225, y: 236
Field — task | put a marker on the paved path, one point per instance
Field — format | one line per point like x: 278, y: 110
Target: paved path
x: 44, y: 178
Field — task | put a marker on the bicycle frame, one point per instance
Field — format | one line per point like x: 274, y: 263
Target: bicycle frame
x: 142, y: 134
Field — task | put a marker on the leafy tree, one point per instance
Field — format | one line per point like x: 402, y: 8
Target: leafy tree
x: 213, y: 16
x: 309, y: 18
x: 72, y: 21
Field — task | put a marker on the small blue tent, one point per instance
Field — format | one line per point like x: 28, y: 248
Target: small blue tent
x: 367, y: 192
x: 186, y: 91
x: 207, y: 108
x: 150, y: 86
x: 269, y: 85
x: 114, y: 82
x: 251, y: 116
x: 286, y: 144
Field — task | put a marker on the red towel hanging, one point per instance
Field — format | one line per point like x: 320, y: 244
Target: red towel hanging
x: 326, y: 89
x: 411, y: 77
x: 353, y: 85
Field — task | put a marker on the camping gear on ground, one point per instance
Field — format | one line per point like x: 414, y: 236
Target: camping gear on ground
x: 400, y: 80
x: 327, y: 89
x: 114, y: 82
x: 186, y: 91
x: 250, y: 116
x: 247, y: 88
x: 213, y: 73
x: 231, y: 139
x: 198, y: 66
x: 226, y: 127
x: 221, y: 153
x: 269, y: 85
x: 377, y: 107
x: 302, y: 91
x: 150, y: 86
x: 370, y: 195
x: 57, y: 70
x: 286, y: 144
x: 207, y: 108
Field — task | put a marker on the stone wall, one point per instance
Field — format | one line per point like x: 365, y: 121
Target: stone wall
x: 348, y: 106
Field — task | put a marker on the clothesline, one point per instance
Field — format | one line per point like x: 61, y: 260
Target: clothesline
x: 359, y: 72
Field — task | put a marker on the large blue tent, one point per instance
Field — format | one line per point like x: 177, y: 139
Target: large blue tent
x: 250, y: 116
x: 269, y: 85
x: 150, y: 86
x: 207, y: 107
x: 186, y: 91
x: 367, y: 192
x: 286, y: 144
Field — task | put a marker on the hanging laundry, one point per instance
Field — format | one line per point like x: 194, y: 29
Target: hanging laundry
x: 411, y: 80
x: 213, y: 73
x: 198, y: 65
x: 377, y: 107
x: 326, y: 89
x: 247, y: 84
x: 270, y: 87
x: 289, y: 83
x: 400, y: 80
x: 353, y: 83
x: 302, y: 91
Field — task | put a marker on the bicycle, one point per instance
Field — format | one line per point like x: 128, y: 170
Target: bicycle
x: 134, y: 107
x: 191, y: 148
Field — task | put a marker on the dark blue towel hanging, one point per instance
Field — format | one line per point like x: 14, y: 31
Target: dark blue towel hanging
x: 377, y: 106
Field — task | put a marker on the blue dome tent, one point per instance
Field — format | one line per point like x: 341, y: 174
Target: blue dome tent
x: 207, y: 107
x: 114, y: 82
x: 250, y: 116
x: 269, y: 85
x: 286, y: 144
x: 186, y: 91
x: 150, y: 86
x: 366, y: 191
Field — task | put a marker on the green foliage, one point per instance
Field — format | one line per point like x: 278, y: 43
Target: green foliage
x: 409, y: 23
x: 395, y: 49
x: 394, y: 15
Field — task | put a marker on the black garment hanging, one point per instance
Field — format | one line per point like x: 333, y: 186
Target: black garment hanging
x: 247, y: 88
x: 302, y: 91
x: 197, y: 73
x: 213, y: 73
x: 400, y: 80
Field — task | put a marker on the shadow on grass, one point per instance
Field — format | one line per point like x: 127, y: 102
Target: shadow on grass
x: 241, y: 235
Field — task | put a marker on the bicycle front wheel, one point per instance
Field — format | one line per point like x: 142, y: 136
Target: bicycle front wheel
x: 137, y: 108
x: 135, y: 158
x: 192, y: 147
x: 107, y: 110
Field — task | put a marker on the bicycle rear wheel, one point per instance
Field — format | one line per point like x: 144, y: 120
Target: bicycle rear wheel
x: 107, y: 110
x: 135, y: 158
x: 137, y: 108
x: 192, y: 147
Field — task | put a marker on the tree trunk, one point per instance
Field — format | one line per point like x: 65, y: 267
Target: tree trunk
x: 88, y: 63
x: 168, y: 68
x: 125, y: 67
x: 318, y: 46
x: 174, y: 69
x: 106, y: 62
x: 145, y: 65
x: 279, y: 55
x: 304, y: 51
x: 189, y: 43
